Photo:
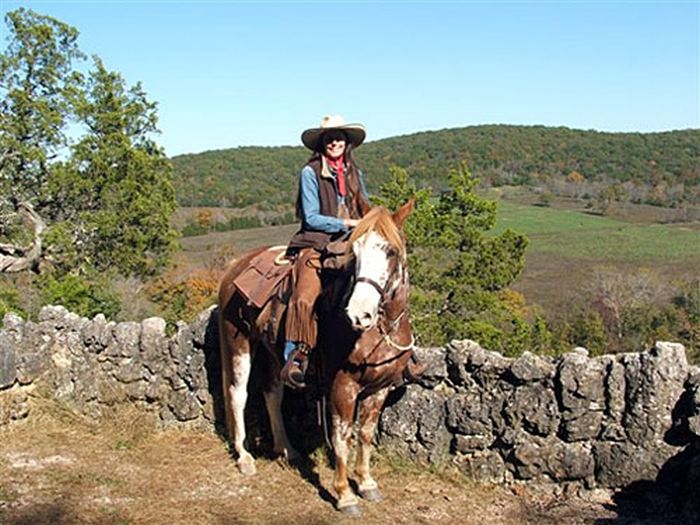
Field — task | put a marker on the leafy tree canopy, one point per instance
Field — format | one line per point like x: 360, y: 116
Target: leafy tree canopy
x: 458, y: 271
x: 107, y: 195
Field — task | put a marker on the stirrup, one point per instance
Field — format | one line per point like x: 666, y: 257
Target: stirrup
x: 294, y: 370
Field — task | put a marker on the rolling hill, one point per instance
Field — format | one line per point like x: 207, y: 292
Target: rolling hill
x: 498, y: 154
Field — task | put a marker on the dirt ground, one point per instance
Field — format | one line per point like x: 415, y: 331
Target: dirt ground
x: 58, y: 467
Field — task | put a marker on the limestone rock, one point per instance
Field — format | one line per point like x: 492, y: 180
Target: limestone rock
x: 486, y: 465
x: 14, y: 405
x: 546, y: 459
x: 8, y: 359
x: 534, y: 408
x: 184, y: 405
x: 615, y: 386
x: 472, y: 443
x: 580, y: 382
x: 33, y: 354
x: 436, y: 371
x: 205, y: 328
x: 415, y: 424
x: 469, y: 363
x: 655, y: 381
x: 93, y: 334
x: 129, y: 369
x: 620, y: 464
x: 529, y: 367
x: 126, y: 340
x: 466, y: 414
x: 154, y: 343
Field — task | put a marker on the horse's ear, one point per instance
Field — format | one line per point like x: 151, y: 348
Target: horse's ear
x: 403, y: 212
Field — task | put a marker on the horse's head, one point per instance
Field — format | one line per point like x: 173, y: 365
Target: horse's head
x: 380, y: 262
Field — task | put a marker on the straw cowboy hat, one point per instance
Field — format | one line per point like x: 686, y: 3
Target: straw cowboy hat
x: 355, y: 132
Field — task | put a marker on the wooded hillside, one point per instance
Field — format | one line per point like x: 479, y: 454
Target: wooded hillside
x: 666, y: 164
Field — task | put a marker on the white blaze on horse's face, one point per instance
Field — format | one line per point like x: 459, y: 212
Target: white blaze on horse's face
x: 371, y: 263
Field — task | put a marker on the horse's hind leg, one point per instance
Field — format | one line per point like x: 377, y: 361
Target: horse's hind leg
x: 370, y: 409
x: 236, y: 363
x: 273, y: 402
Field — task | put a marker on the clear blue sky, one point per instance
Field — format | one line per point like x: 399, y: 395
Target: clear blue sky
x: 228, y: 73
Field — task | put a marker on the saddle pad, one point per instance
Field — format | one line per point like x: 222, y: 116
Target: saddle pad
x: 260, y: 279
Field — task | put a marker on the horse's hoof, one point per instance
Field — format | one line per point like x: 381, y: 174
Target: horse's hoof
x: 351, y: 510
x: 247, y: 466
x: 372, y: 495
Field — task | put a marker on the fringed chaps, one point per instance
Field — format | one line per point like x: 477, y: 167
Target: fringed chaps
x: 301, y: 325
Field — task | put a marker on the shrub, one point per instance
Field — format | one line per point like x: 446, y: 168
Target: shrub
x: 85, y: 295
x: 9, y: 300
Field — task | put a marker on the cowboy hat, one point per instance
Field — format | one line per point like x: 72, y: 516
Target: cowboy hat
x: 355, y: 132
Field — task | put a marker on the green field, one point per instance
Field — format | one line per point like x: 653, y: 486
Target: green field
x: 574, y: 234
x: 557, y: 232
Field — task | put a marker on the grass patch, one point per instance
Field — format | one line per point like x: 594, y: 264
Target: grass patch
x: 387, y: 459
x: 594, y: 238
x: 555, y: 231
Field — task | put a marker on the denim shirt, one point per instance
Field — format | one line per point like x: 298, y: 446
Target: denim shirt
x: 311, y: 204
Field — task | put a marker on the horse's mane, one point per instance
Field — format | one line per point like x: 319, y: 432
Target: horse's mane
x: 379, y: 220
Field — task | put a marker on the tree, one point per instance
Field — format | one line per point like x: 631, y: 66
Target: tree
x: 37, y: 84
x: 457, y: 271
x: 106, y: 202
x: 604, y: 200
x: 687, y: 304
x: 114, y: 197
x: 205, y: 219
x: 620, y: 292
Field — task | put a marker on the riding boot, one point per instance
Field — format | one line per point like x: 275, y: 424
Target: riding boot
x: 414, y: 369
x: 294, y: 370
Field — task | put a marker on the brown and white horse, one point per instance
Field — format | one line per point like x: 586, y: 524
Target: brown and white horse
x: 365, y: 347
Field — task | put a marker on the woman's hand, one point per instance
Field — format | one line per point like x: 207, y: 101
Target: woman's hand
x: 351, y: 223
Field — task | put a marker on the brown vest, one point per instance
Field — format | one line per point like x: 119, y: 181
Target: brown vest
x: 328, y: 203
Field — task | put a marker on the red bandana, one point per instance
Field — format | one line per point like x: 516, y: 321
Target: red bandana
x: 338, y: 166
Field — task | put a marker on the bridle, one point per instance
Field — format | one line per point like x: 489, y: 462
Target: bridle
x: 381, y: 290
x: 394, y: 323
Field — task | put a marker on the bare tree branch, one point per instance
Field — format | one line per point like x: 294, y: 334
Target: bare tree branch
x: 17, y: 258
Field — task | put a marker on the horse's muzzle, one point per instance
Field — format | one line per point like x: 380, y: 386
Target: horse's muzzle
x: 363, y: 307
x: 362, y: 321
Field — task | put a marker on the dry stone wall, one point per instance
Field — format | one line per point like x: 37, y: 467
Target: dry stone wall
x: 607, y: 421
x: 93, y: 365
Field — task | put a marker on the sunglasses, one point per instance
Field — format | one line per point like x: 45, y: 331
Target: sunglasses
x: 334, y: 136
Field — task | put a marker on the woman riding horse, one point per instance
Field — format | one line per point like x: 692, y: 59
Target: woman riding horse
x: 331, y: 200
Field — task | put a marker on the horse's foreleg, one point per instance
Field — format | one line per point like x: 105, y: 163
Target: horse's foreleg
x: 343, y: 398
x: 236, y: 362
x: 273, y: 402
x: 370, y: 409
